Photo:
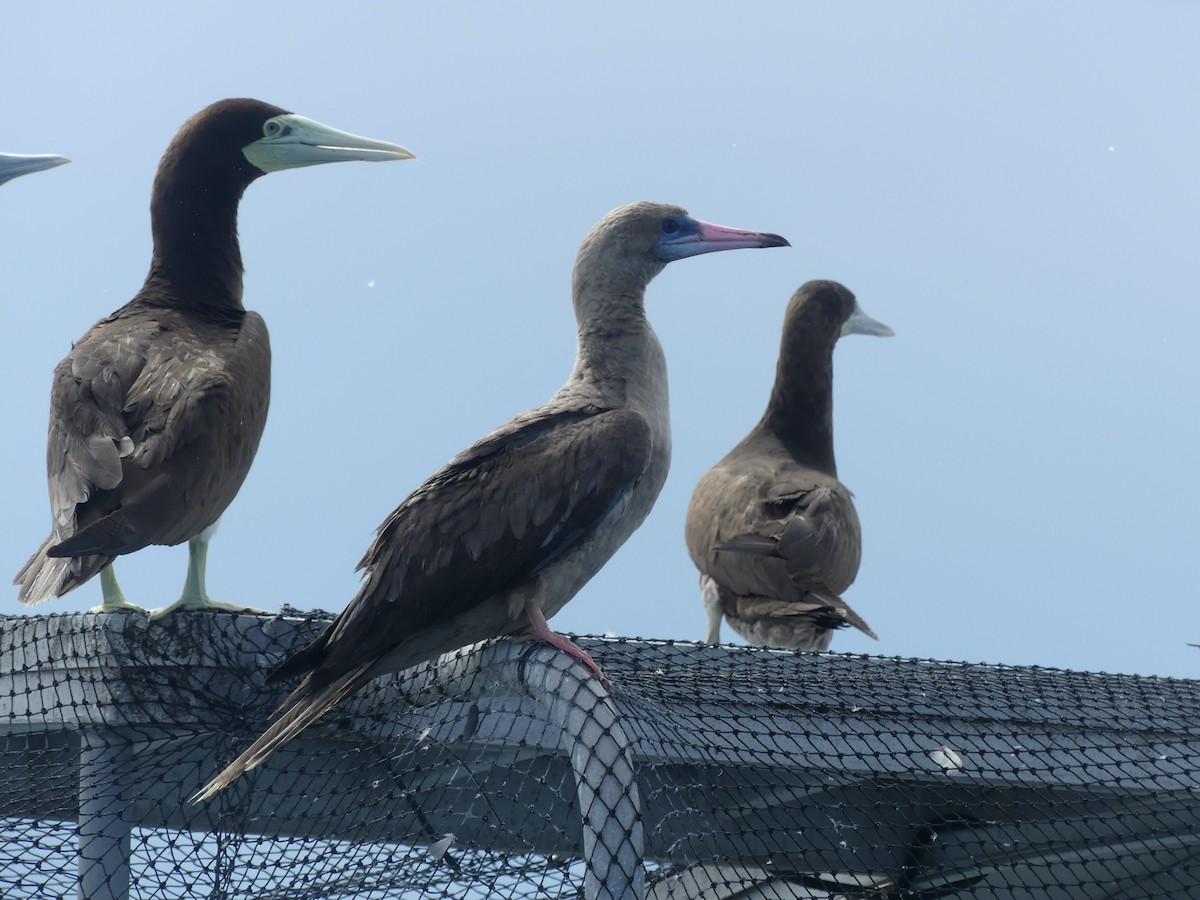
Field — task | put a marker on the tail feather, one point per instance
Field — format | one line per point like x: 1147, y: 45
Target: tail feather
x: 842, y: 608
x: 305, y: 705
x: 860, y: 623
x: 43, y: 576
x: 753, y: 544
x: 300, y: 663
x: 113, y: 532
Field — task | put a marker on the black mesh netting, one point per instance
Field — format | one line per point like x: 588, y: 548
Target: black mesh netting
x: 506, y: 771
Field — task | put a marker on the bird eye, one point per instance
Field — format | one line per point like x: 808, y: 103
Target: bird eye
x: 271, y: 128
x: 670, y: 226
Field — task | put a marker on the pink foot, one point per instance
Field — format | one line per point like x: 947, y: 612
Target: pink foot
x: 539, y: 630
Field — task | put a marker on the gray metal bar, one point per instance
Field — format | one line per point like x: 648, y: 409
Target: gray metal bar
x: 605, y: 782
x: 579, y: 706
x: 103, y: 826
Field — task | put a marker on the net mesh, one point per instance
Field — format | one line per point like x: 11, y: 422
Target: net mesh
x: 506, y: 771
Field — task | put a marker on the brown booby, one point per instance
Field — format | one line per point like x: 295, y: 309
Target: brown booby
x: 157, y: 411
x: 771, y: 529
x: 498, y: 540
x: 14, y: 165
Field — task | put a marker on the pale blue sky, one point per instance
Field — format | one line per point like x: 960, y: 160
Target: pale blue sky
x: 1013, y: 188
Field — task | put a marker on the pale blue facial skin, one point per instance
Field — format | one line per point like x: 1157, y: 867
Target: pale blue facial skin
x: 683, y: 236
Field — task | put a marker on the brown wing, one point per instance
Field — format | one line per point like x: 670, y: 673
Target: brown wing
x: 816, y: 531
x: 89, y: 437
x: 764, y: 532
x: 779, y: 548
x: 154, y: 423
x: 495, y: 516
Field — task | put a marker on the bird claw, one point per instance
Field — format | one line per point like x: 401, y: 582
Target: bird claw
x: 540, y: 631
x: 188, y: 603
x: 119, y: 606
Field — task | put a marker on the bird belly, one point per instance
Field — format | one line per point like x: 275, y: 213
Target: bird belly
x: 797, y: 632
x: 560, y: 582
x: 485, y: 620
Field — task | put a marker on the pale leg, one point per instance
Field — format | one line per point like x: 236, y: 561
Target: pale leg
x: 710, y: 595
x: 195, y: 595
x: 110, y: 591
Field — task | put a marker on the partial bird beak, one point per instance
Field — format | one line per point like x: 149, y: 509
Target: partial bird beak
x: 860, y: 323
x: 709, y: 238
x: 14, y: 165
x: 290, y: 141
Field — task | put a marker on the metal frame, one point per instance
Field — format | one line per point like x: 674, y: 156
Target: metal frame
x: 722, y: 768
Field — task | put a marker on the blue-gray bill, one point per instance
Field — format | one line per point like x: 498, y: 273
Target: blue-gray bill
x: 14, y: 165
x: 860, y: 323
x: 290, y: 141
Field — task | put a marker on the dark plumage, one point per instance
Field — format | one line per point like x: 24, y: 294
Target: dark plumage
x: 509, y: 531
x: 157, y: 411
x: 771, y: 529
x: 14, y: 165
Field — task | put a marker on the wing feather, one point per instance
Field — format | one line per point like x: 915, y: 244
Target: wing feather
x: 813, y: 529
x: 495, y: 516
x: 782, y: 542
x: 137, y: 389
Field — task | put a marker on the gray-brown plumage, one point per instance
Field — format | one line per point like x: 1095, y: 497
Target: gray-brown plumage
x: 14, y: 165
x: 509, y: 530
x: 157, y: 411
x: 771, y: 529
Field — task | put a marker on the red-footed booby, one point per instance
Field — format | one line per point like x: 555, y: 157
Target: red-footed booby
x: 14, y: 165
x: 157, y: 411
x: 771, y: 529
x: 510, y: 529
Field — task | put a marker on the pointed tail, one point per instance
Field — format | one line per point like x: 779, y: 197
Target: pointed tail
x: 842, y: 609
x: 305, y: 705
x: 44, y: 576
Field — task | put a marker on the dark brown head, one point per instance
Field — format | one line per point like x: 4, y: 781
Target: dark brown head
x: 822, y: 311
x: 209, y: 164
x: 209, y: 147
x: 232, y: 142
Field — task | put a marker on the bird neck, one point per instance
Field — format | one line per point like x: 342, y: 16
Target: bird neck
x: 800, y: 411
x: 606, y: 322
x: 197, y: 260
x: 619, y: 361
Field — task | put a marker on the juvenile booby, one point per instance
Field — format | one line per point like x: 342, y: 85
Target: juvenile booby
x: 498, y: 540
x: 771, y: 529
x: 157, y: 411
x: 14, y: 165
